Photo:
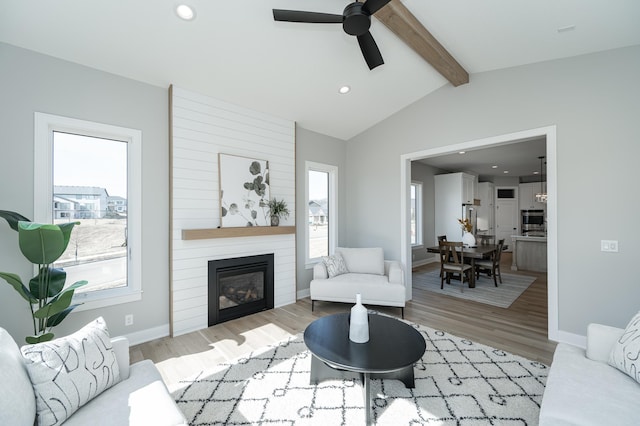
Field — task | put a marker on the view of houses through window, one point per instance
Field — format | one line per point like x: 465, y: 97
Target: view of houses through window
x: 90, y: 187
x: 318, y: 214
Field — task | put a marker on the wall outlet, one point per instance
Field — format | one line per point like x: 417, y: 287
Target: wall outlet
x: 128, y: 319
x: 609, y: 246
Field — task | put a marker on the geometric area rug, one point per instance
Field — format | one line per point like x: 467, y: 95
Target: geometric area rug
x: 484, y: 292
x: 457, y: 382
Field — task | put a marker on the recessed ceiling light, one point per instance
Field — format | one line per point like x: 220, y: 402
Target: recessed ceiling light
x: 494, y: 167
x: 462, y: 152
x: 505, y: 172
x: 185, y: 12
x: 344, y: 90
x: 535, y: 172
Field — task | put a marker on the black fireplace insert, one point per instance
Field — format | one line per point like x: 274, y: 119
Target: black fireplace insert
x: 240, y: 286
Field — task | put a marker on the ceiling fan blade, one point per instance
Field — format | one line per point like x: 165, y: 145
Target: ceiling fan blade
x: 307, y: 17
x: 370, y: 50
x: 372, y: 6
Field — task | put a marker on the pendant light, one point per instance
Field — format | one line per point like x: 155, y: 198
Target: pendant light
x: 541, y: 196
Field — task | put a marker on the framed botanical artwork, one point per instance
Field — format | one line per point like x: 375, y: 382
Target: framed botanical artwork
x: 244, y: 191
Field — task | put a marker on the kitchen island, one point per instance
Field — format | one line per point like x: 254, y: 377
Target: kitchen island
x: 529, y: 253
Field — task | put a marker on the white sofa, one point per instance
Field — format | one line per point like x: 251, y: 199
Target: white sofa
x: 379, y: 281
x: 582, y: 389
x: 140, y: 398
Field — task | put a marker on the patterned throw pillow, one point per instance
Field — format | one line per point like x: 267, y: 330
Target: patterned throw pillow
x: 68, y: 372
x: 335, y: 265
x: 625, y: 355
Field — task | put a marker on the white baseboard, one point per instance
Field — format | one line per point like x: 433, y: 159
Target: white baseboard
x: 303, y: 293
x: 148, y: 334
x: 422, y: 262
x: 572, y: 339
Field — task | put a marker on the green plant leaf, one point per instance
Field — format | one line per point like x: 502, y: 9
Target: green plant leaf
x: 15, y: 282
x: 254, y: 214
x: 32, y: 340
x: 76, y: 285
x: 224, y: 212
x: 66, y: 229
x: 266, y: 178
x: 56, y: 319
x: 56, y: 305
x: 255, y: 168
x: 57, y: 278
x: 40, y: 243
x: 13, y: 218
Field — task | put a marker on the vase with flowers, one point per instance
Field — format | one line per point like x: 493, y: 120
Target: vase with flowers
x: 467, y: 237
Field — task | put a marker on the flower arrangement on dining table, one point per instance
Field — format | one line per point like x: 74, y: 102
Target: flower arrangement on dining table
x: 466, y: 224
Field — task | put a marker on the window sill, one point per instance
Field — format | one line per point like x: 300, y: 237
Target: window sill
x: 95, y: 301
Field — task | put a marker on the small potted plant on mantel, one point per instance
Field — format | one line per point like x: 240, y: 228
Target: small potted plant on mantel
x: 277, y: 209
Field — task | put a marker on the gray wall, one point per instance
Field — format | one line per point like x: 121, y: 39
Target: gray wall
x: 319, y: 148
x: 424, y: 173
x: 594, y: 100
x: 32, y: 82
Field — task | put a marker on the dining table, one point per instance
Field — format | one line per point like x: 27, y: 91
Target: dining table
x: 482, y: 251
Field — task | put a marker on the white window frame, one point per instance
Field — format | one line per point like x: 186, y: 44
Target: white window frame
x: 45, y: 126
x: 332, y: 171
x: 419, y: 214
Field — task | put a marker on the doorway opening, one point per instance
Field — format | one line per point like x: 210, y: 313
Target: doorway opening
x: 549, y: 133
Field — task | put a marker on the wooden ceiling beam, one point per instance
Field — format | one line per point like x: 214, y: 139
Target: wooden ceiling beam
x: 404, y: 24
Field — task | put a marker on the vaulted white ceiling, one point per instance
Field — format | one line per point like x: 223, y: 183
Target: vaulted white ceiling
x: 234, y: 50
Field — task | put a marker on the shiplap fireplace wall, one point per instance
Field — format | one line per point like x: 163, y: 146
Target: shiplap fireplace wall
x: 202, y: 127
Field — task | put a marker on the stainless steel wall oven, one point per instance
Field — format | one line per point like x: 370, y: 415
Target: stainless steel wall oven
x: 532, y: 221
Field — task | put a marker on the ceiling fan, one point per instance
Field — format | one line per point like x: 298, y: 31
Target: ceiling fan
x: 355, y: 20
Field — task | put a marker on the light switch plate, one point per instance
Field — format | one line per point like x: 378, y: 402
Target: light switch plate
x: 610, y: 246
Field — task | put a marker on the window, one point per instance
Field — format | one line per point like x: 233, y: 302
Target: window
x: 79, y: 165
x: 321, y: 201
x: 416, y: 213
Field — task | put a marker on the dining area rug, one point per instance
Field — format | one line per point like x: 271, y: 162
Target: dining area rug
x: 457, y: 381
x: 484, y: 292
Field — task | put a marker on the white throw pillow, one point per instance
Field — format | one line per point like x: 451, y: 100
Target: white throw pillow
x: 625, y: 355
x: 335, y: 265
x: 68, y: 372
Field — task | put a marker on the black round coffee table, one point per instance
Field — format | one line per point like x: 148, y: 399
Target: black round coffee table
x: 390, y: 353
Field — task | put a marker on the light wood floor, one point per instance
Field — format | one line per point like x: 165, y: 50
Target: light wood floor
x: 520, y: 329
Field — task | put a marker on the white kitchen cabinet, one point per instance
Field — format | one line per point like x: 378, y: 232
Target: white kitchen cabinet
x: 468, y: 188
x: 527, y: 196
x: 486, y: 210
x: 452, y: 190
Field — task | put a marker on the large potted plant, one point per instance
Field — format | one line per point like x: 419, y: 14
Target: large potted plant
x: 46, y: 295
x: 277, y: 209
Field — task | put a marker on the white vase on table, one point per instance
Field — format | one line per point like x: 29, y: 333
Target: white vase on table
x: 468, y: 239
x: 359, y: 322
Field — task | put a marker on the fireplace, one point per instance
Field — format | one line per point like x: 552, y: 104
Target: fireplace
x: 240, y: 286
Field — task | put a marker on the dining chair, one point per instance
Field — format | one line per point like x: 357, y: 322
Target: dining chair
x: 440, y: 239
x: 492, y: 265
x: 452, y: 263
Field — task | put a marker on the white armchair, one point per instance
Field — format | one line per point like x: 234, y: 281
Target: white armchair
x: 379, y: 281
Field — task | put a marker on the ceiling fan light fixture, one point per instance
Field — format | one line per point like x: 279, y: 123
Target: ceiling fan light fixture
x: 185, y: 12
